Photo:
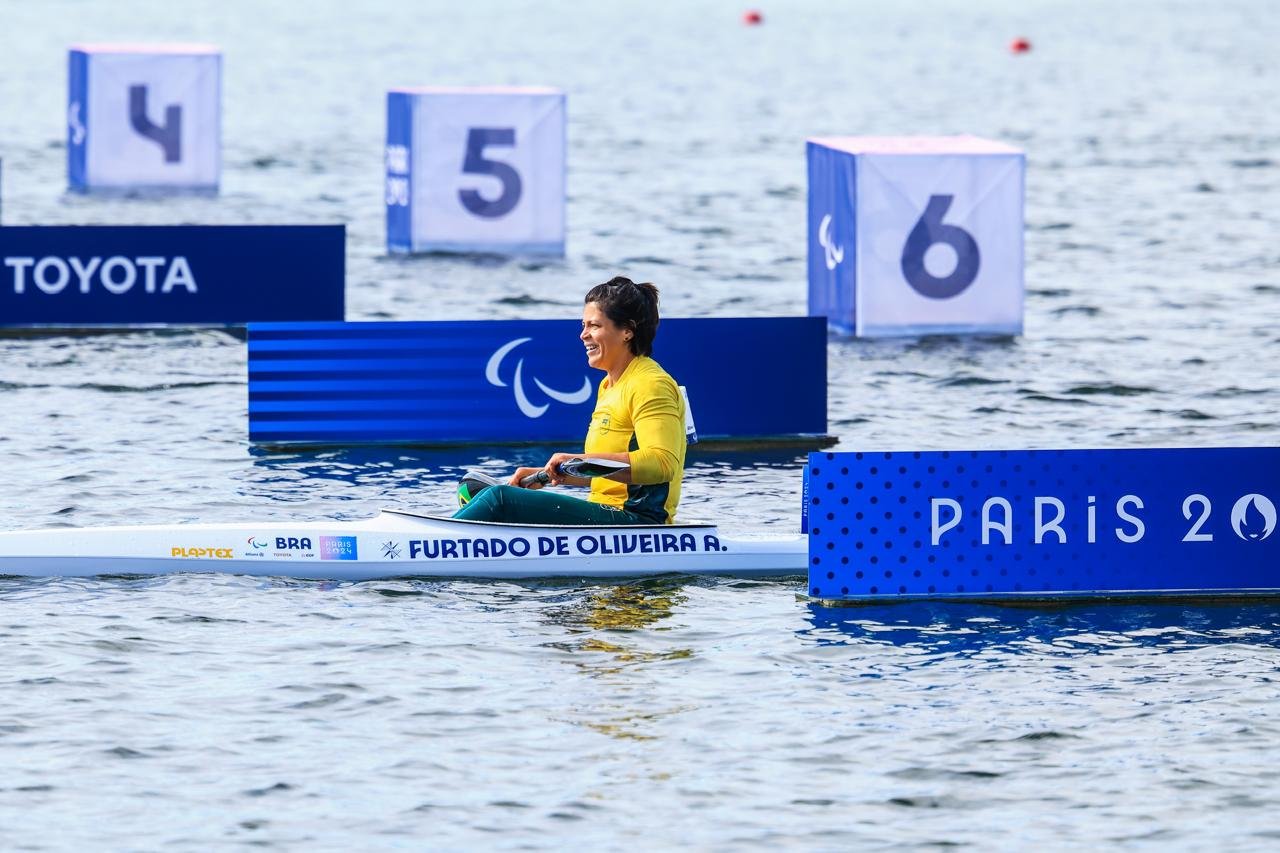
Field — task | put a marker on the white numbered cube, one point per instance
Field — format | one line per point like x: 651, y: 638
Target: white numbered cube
x: 144, y: 117
x: 476, y: 170
x: 916, y: 235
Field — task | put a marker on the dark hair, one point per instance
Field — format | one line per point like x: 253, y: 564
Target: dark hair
x: 629, y: 306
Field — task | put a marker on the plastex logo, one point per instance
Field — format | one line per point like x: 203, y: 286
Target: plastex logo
x: 493, y: 374
x: 391, y: 550
x: 201, y: 553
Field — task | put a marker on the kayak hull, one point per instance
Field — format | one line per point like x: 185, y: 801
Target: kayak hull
x: 399, y: 544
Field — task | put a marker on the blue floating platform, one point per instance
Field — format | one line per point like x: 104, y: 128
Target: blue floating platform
x: 1043, y: 524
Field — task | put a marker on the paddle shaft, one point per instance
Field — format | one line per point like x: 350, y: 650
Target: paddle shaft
x: 537, y: 477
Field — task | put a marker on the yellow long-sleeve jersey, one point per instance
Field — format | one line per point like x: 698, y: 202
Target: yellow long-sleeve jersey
x: 642, y: 414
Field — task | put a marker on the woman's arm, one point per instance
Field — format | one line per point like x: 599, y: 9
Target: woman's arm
x: 658, y: 420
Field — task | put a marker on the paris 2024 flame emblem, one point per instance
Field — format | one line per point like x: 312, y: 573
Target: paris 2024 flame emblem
x: 1253, y: 518
x: 493, y: 374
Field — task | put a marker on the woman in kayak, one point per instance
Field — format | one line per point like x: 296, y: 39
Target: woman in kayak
x: 638, y: 419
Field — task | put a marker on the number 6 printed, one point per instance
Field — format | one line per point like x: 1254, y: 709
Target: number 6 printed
x: 928, y: 230
x: 475, y: 163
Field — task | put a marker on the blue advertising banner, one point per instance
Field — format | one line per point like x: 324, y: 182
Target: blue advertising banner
x: 107, y: 275
x: 520, y: 381
x: 1043, y: 523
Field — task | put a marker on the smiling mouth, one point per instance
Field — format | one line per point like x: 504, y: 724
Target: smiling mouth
x: 592, y: 349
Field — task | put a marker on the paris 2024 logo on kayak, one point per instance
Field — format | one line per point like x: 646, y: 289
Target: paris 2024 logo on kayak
x: 494, y: 370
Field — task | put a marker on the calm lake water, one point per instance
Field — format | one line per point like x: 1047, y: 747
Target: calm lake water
x: 207, y: 711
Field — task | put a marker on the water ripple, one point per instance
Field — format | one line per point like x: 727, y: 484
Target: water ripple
x: 204, y: 711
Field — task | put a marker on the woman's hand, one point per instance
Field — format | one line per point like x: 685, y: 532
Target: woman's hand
x: 553, y: 468
x: 520, y: 474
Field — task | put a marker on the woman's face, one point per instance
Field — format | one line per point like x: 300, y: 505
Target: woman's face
x: 606, y: 344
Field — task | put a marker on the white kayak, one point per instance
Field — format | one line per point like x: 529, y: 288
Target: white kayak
x: 396, y: 543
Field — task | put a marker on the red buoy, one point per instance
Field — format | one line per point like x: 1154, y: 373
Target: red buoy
x: 752, y: 17
x: 1020, y: 45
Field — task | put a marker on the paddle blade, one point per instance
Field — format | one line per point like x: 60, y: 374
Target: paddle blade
x: 578, y: 467
x: 591, y: 467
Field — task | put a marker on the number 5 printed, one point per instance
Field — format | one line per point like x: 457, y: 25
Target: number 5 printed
x: 479, y: 138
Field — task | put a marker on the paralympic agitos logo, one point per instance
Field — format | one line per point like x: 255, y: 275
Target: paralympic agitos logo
x: 494, y: 371
x: 834, y: 254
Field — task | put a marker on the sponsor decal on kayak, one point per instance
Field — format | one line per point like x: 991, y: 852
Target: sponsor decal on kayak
x: 586, y: 545
x: 288, y: 547
x: 201, y: 553
x: 338, y: 548
x: 258, y: 544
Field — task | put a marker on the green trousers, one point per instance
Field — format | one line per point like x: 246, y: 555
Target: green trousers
x: 514, y: 505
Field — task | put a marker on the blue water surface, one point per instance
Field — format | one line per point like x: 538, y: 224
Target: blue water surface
x: 205, y: 711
